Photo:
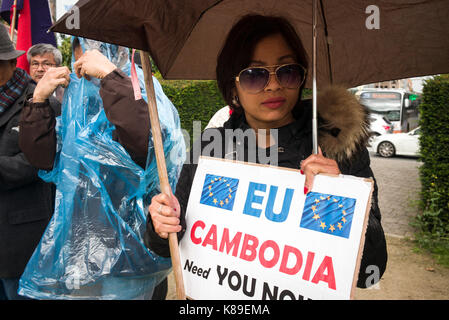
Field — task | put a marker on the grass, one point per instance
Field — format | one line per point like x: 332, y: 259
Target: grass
x: 437, y: 246
x: 435, y: 242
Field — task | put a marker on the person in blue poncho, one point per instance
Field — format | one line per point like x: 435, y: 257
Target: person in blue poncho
x: 99, y: 154
x: 132, y: 125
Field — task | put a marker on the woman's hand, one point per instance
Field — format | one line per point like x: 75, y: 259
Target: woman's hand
x: 165, y: 213
x: 315, y: 164
x: 53, y: 78
x: 93, y: 64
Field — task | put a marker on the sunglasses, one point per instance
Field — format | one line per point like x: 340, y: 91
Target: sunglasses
x: 255, y: 79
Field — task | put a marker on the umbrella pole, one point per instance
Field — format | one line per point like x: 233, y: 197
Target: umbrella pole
x: 314, y: 93
x: 162, y: 169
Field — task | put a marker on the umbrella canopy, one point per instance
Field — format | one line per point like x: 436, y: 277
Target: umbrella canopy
x: 184, y: 37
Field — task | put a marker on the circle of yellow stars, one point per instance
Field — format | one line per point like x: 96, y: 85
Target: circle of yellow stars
x: 317, y: 217
x: 211, y: 194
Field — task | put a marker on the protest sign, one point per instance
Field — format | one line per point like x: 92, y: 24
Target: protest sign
x: 253, y: 234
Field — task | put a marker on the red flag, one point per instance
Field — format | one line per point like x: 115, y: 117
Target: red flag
x: 32, y: 22
x: 24, y: 41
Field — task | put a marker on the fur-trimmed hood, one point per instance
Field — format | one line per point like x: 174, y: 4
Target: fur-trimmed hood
x: 343, y: 123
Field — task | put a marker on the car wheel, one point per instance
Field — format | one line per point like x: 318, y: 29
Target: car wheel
x: 371, y: 138
x: 386, y: 149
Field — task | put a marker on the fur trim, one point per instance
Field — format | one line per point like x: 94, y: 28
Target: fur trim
x: 343, y: 123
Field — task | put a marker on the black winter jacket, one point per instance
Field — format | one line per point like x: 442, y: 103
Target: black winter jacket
x: 26, y: 201
x: 295, y: 145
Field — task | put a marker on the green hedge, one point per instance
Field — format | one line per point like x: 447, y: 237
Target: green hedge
x: 434, y: 147
x: 66, y: 50
x: 195, y: 101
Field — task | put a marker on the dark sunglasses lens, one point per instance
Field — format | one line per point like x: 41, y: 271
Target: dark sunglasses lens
x: 290, y: 76
x: 254, y: 79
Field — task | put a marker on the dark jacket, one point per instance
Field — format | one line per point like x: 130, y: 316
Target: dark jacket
x: 348, y: 131
x: 26, y: 202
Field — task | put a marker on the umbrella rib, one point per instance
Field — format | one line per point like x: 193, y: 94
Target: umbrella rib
x: 207, y: 9
x: 327, y: 42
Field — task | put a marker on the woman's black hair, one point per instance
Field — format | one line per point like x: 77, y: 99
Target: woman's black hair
x: 239, y: 47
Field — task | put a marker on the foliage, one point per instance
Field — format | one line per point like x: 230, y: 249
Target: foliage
x: 306, y: 93
x: 433, y: 223
x: 66, y: 50
x: 196, y: 100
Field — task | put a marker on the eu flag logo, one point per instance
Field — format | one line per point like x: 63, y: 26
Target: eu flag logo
x: 328, y: 214
x: 219, y: 191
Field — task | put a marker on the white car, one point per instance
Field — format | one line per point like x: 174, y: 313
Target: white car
x: 380, y: 124
x: 391, y: 144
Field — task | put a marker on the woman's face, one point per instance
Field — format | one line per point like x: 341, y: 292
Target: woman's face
x: 271, y: 108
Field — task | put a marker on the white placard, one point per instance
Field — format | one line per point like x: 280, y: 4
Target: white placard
x: 252, y: 233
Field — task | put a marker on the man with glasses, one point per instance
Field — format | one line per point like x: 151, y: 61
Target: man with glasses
x: 42, y: 57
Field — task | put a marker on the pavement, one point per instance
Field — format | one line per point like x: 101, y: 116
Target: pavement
x: 399, y: 187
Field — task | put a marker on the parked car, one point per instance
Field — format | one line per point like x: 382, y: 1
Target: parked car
x: 380, y: 124
x: 393, y: 144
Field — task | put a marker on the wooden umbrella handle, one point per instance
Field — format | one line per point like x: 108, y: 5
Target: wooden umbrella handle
x: 162, y: 168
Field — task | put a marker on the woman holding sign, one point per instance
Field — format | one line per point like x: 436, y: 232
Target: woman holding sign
x: 261, y: 72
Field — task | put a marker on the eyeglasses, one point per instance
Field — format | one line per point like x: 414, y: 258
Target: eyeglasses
x: 255, y: 79
x: 45, y: 65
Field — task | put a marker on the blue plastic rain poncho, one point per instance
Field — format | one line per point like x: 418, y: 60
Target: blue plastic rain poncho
x: 93, y: 246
